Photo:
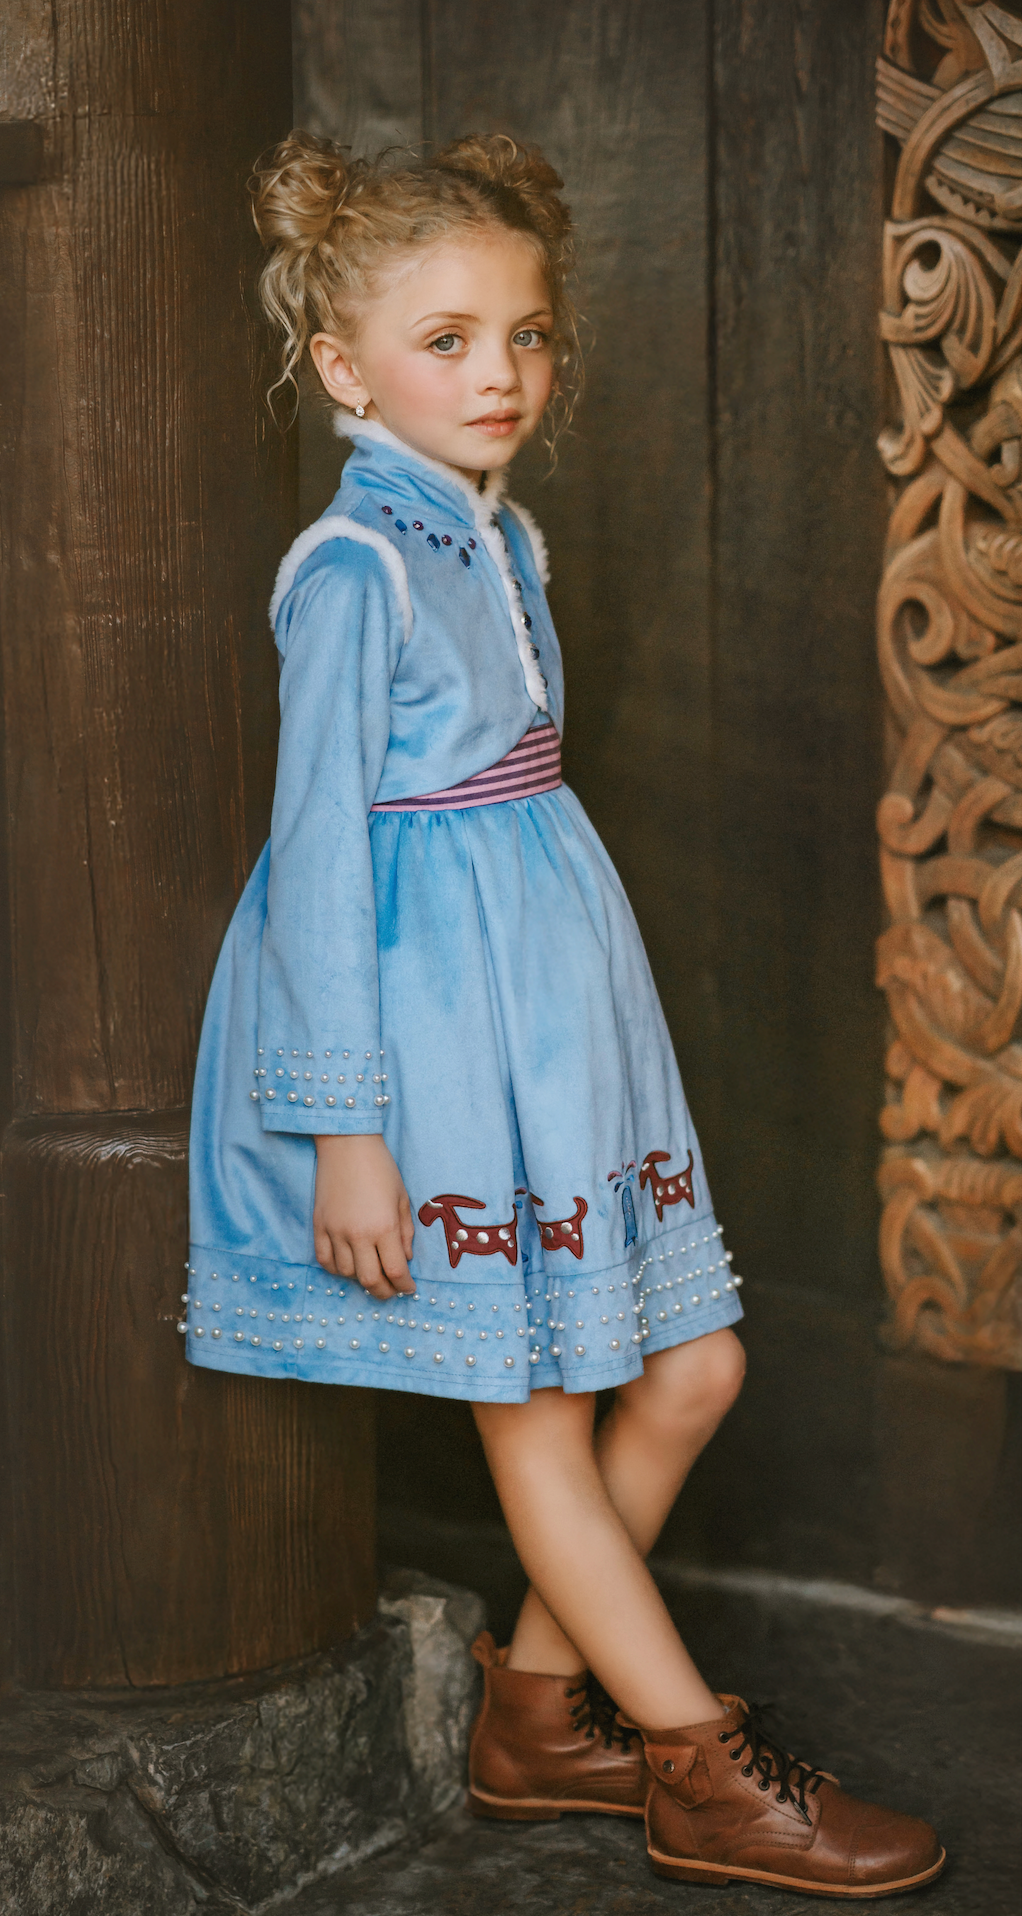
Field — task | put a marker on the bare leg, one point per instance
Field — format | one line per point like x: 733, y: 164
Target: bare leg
x: 645, y: 1448
x: 579, y: 1555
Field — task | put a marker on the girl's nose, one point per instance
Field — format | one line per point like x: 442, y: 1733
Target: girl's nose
x: 500, y: 374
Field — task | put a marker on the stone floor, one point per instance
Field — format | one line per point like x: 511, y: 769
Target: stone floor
x: 923, y: 1717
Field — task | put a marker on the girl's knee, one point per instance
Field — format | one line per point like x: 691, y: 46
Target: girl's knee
x: 725, y: 1368
x: 697, y: 1381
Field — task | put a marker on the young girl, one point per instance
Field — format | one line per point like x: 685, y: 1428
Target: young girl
x: 439, y: 1140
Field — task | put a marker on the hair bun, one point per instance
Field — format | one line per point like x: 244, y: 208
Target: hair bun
x: 298, y: 189
x: 497, y: 161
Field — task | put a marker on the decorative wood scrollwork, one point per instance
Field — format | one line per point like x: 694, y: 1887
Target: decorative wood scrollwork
x: 950, y: 642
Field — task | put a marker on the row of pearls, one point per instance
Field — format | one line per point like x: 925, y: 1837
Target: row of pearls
x: 298, y: 1075
x: 546, y: 1307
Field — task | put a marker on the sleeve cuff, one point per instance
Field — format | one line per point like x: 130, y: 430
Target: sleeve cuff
x: 323, y: 1124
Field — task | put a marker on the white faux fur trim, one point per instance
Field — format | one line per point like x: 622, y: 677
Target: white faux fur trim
x: 493, y: 539
x: 339, y: 526
x: 541, y: 558
x: 483, y: 506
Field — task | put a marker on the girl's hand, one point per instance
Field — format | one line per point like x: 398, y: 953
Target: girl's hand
x: 362, y: 1219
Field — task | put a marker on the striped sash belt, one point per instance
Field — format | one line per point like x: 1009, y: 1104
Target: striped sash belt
x: 532, y: 766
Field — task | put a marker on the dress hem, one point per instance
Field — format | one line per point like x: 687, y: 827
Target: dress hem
x: 624, y: 1370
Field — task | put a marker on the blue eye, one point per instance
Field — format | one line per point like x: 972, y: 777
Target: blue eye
x: 445, y: 342
x: 529, y: 336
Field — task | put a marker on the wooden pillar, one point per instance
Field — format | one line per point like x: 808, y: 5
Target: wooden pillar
x: 158, y: 1525
x: 949, y: 630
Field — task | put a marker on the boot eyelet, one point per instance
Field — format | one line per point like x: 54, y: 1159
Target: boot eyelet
x: 763, y: 1784
x: 668, y: 1764
x: 724, y: 1736
x: 782, y: 1796
x: 734, y: 1755
x: 746, y: 1769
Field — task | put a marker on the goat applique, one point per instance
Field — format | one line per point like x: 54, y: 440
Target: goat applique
x: 463, y: 1241
x: 667, y: 1187
x: 565, y: 1233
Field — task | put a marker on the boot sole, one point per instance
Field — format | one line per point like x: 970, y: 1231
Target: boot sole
x: 541, y: 1809
x: 677, y: 1871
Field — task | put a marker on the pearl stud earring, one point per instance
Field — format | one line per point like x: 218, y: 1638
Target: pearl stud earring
x: 360, y: 412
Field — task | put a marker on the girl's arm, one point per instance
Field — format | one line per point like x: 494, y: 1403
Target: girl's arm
x: 340, y: 630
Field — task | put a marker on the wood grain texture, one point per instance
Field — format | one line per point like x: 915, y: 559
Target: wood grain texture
x: 144, y: 499
x: 798, y: 530
x: 168, y: 1524
x: 159, y: 1525
x: 359, y: 71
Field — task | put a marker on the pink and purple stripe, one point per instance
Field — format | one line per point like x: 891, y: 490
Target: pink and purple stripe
x: 532, y: 766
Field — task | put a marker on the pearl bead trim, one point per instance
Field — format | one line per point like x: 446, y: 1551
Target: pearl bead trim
x: 341, y: 1306
x: 285, y: 1070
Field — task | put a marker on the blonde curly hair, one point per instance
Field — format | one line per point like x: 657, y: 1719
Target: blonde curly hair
x: 330, y: 224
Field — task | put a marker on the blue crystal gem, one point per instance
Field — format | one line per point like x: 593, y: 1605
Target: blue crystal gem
x: 400, y: 524
x: 463, y: 556
x: 432, y: 540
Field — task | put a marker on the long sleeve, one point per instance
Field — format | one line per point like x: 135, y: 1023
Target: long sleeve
x: 340, y: 631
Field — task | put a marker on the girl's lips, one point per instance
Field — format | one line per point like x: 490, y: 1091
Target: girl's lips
x: 496, y: 427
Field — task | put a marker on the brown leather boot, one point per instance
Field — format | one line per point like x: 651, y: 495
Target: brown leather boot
x: 545, y: 1744
x: 727, y: 1804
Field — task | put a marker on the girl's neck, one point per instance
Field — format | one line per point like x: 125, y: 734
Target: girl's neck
x: 477, y: 484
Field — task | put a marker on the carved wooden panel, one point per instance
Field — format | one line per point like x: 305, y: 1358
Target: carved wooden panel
x: 950, y: 641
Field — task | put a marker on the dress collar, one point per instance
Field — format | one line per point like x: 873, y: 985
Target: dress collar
x: 382, y: 449
x: 380, y: 455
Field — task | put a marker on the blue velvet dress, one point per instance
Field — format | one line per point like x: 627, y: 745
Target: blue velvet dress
x: 471, y: 983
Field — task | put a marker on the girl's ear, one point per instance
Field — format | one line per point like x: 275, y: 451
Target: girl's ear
x: 337, y: 371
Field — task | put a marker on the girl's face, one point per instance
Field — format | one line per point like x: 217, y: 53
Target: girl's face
x: 453, y: 352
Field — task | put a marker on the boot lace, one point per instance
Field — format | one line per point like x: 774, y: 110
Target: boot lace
x: 595, y: 1713
x: 773, y: 1763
